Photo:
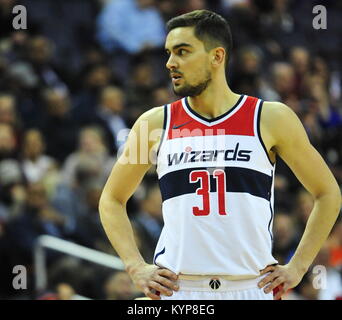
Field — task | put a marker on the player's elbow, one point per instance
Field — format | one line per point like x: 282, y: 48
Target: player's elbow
x: 332, y: 194
x: 336, y: 195
x: 107, y: 203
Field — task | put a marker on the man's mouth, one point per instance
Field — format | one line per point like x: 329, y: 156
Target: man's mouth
x: 175, y: 77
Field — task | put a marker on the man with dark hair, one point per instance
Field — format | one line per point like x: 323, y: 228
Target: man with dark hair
x: 209, y: 27
x: 215, y: 163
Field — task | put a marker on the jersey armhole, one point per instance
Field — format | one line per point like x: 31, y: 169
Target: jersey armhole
x: 166, y: 123
x: 258, y: 131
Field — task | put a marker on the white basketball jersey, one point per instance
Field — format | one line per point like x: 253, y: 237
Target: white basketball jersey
x: 216, y: 181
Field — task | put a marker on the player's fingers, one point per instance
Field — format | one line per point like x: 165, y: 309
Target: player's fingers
x: 166, y: 282
x: 267, y: 279
x: 267, y: 269
x: 157, y: 286
x: 167, y: 273
x: 275, y: 283
x: 151, y: 294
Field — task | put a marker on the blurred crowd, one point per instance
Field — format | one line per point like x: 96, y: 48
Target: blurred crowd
x: 84, y: 70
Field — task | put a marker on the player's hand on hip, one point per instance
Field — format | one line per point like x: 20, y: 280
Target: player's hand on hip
x: 284, y: 277
x: 151, y: 279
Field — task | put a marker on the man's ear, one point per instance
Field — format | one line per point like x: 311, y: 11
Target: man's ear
x: 218, y: 56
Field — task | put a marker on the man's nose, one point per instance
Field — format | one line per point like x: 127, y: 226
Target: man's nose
x: 171, y: 63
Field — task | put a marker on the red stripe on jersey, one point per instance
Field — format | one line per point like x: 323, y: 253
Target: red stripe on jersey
x: 183, y: 124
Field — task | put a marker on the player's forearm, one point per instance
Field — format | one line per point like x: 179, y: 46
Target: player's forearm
x: 119, y: 231
x: 318, y: 227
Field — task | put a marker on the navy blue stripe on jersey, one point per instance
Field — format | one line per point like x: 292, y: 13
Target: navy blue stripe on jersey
x: 164, y: 128
x: 158, y: 254
x: 216, y: 118
x: 259, y: 132
x: 269, y: 224
x: 176, y: 183
x: 271, y: 219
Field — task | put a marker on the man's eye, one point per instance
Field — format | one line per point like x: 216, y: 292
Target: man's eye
x: 181, y: 52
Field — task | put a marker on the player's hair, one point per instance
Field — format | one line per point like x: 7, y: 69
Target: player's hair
x: 210, y: 28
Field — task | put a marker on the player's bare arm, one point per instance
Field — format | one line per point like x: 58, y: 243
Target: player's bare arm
x: 285, y: 136
x: 126, y: 175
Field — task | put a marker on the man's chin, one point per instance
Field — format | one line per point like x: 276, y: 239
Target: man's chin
x: 179, y: 91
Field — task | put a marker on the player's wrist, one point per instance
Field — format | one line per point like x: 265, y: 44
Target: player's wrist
x: 133, y: 266
x: 299, y: 266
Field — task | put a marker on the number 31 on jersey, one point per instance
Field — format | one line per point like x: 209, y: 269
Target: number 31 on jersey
x: 203, y: 176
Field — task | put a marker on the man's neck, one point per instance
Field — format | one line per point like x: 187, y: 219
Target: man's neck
x: 214, y: 100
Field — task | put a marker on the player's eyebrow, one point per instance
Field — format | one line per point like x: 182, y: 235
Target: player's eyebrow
x: 183, y: 44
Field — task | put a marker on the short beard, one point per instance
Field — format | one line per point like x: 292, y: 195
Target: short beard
x: 193, y: 91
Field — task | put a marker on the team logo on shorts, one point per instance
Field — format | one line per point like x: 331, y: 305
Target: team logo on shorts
x: 214, y: 284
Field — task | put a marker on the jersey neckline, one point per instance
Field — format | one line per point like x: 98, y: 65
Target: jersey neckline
x: 197, y: 115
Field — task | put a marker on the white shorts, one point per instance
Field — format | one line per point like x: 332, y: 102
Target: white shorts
x: 216, y: 288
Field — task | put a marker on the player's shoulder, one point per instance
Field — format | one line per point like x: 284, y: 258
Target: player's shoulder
x: 276, y: 109
x: 275, y: 113
x: 280, y: 121
x: 153, y: 118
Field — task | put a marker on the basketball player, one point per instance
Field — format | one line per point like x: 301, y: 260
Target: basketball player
x: 216, y: 163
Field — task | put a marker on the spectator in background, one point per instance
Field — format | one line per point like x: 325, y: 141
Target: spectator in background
x: 139, y: 90
x: 130, y: 25
x: 248, y: 67
x: 310, y: 120
x: 129, y: 28
x: 167, y: 9
x: 8, y: 112
x: 38, y: 65
x: 300, y: 60
x: 90, y: 164
x: 12, y: 190
x: 8, y: 142
x: 295, y: 104
x: 35, y: 164
x: 91, y: 145
x: 110, y: 116
x: 93, y: 56
x: 94, y: 77
x: 119, y: 286
x: 36, y: 218
x: 59, y: 128
x: 283, y: 80
x: 327, y: 114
